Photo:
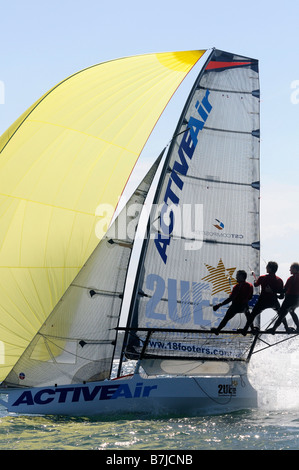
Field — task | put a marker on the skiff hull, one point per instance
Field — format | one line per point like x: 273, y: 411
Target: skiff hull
x: 184, y: 396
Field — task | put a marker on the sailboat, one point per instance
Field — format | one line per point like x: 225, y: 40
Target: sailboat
x: 202, y: 226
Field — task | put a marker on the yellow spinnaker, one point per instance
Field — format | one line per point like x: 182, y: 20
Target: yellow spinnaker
x: 71, y: 151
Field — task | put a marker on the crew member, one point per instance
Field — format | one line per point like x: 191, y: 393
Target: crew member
x: 291, y: 300
x: 271, y: 287
x: 239, y: 297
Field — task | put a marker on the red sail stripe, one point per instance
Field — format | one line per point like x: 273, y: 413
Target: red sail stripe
x: 219, y: 65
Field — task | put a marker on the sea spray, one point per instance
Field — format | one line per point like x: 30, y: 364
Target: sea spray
x: 274, y: 373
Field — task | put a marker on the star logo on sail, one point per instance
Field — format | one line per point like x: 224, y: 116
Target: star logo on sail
x: 221, y: 278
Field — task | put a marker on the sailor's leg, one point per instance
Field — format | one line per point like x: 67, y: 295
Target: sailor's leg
x: 289, y: 304
x: 285, y: 307
x: 278, y: 322
x: 285, y: 324
x: 294, y: 317
x: 250, y: 319
x: 231, y: 312
x: 257, y: 309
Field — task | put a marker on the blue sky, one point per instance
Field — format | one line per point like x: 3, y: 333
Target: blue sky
x: 42, y: 42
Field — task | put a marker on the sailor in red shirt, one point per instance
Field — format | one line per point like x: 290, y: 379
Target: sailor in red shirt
x: 291, y: 300
x: 240, y: 296
x: 271, y: 286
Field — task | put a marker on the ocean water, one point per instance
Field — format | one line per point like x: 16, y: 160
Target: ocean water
x: 274, y: 425
x: 244, y: 430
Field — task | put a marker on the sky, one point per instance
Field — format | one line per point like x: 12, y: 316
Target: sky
x: 43, y: 42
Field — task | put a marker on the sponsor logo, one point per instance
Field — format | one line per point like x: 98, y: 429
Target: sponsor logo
x: 222, y: 234
x: 226, y: 390
x: 83, y: 393
x: 175, y: 183
x: 190, y: 294
x: 185, y: 301
x: 221, y: 278
x: 190, y: 349
x: 219, y: 225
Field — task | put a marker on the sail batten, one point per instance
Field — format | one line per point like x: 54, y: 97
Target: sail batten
x: 214, y: 180
x: 230, y: 131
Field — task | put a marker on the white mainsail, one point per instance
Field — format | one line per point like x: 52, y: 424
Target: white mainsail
x: 212, y: 172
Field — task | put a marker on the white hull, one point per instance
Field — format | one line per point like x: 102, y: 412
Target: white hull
x: 185, y: 396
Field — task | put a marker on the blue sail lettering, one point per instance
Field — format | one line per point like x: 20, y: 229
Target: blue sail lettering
x: 161, y: 243
x: 188, y: 144
x: 181, y: 309
x: 198, y: 304
x: 155, y: 283
x: 195, y: 125
x: 167, y: 229
x: 205, y: 102
x: 176, y: 179
x: 185, y: 316
x: 169, y: 194
x: 202, y: 112
x: 187, y: 147
x: 179, y: 167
